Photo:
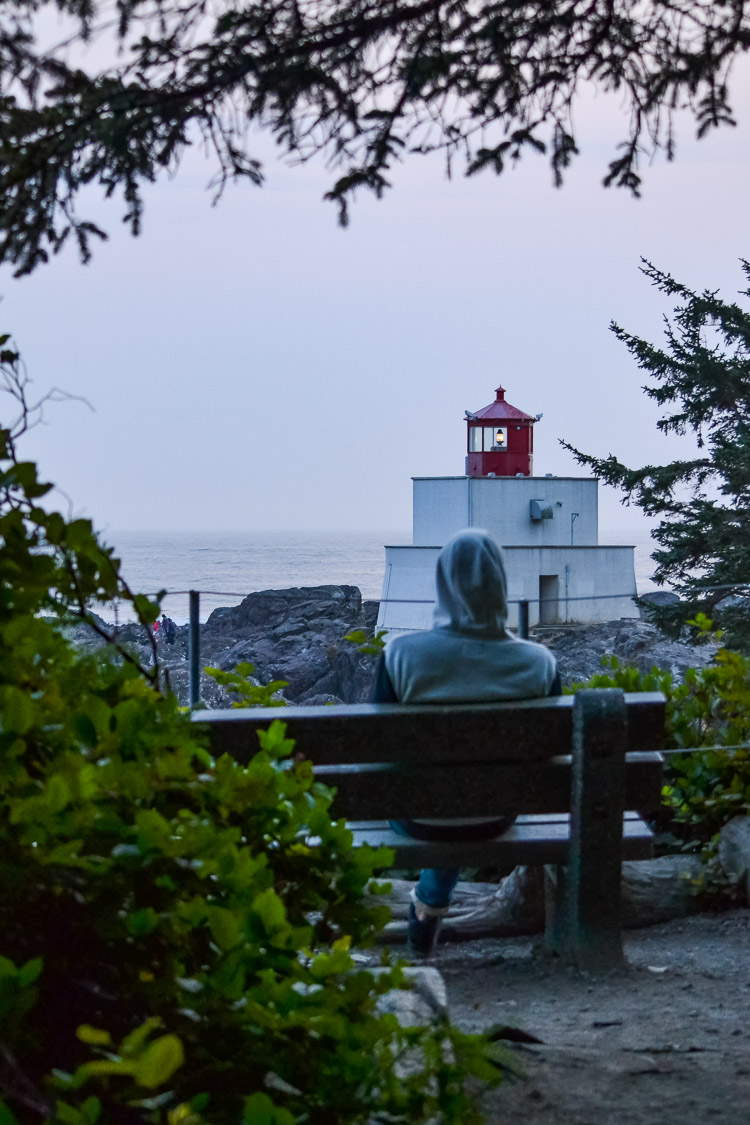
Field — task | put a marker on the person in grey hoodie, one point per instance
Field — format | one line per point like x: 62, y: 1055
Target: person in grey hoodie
x: 467, y: 657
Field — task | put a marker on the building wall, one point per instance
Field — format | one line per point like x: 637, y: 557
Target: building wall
x: 593, y: 584
x: 444, y: 505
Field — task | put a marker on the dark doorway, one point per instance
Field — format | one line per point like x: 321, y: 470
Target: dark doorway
x: 549, y: 599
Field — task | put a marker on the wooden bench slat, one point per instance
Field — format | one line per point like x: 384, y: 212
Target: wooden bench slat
x: 461, y: 789
x: 524, y: 730
x: 526, y: 842
x: 524, y: 819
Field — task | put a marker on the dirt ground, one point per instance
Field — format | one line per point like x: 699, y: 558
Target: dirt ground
x: 664, y: 1042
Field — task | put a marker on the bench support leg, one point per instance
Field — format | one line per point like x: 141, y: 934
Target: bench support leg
x: 585, y: 921
x: 556, y: 909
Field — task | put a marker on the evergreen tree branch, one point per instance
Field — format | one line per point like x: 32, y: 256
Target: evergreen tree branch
x: 701, y: 377
x: 363, y: 83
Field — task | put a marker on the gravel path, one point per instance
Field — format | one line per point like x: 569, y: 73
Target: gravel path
x: 664, y: 1042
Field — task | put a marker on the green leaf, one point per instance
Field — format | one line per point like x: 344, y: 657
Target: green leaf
x: 147, y: 609
x: 17, y: 710
x: 270, y: 909
x: 133, y: 1044
x: 95, y: 1036
x: 30, y: 972
x: 7, y: 1117
x: 258, y: 1110
x: 79, y: 534
x: 57, y: 793
x: 84, y: 729
x: 91, y: 1110
x: 159, y: 1061
x: 225, y: 927
x: 102, y: 1068
x: 142, y: 922
x: 69, y: 1114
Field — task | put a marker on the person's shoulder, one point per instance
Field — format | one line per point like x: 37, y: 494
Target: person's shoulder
x: 421, y: 637
x: 408, y: 646
x: 534, y: 651
x: 405, y: 642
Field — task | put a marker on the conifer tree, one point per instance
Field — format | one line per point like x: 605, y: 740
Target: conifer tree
x: 111, y: 94
x: 702, y: 379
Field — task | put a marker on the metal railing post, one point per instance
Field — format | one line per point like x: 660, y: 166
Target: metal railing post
x: 194, y: 648
x: 523, y: 620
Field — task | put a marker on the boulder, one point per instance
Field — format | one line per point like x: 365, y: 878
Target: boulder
x: 268, y: 610
x: 370, y: 610
x: 81, y: 634
x: 579, y: 649
x: 730, y: 607
x: 296, y: 635
x: 660, y: 598
x: 423, y: 1003
x: 734, y: 852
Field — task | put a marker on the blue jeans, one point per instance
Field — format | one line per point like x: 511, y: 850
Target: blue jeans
x: 435, y: 886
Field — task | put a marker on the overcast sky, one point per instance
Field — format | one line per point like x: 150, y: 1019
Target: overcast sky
x: 253, y: 366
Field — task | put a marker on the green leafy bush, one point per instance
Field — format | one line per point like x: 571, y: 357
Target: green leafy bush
x: 175, y: 931
x: 370, y: 644
x: 248, y: 692
x: 709, y: 708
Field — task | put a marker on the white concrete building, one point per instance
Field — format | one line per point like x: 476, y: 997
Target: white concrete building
x: 547, y: 527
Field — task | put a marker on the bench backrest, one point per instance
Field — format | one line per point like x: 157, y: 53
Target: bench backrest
x: 394, y: 761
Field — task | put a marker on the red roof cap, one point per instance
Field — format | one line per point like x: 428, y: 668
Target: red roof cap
x: 502, y: 409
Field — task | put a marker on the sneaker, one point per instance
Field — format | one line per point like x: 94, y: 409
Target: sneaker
x: 421, y: 934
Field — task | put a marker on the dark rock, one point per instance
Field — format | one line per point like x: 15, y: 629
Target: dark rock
x: 81, y: 634
x: 267, y: 610
x: 297, y: 636
x: 659, y: 597
x: 579, y: 649
x: 425, y: 1001
x: 370, y: 610
x: 422, y: 1003
x: 734, y: 851
x: 729, y: 607
x: 132, y: 633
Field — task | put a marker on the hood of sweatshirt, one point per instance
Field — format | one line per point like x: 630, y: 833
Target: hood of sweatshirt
x: 472, y: 591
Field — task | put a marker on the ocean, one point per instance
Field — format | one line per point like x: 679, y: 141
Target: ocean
x: 233, y: 564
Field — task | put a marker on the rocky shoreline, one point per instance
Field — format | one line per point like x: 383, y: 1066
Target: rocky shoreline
x: 298, y: 635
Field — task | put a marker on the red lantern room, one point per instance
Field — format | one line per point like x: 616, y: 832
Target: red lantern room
x: 499, y: 440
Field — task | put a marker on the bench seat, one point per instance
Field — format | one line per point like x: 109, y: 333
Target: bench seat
x: 533, y: 840
x: 571, y: 766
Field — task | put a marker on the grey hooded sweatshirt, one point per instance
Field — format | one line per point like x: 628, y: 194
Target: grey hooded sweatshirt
x: 468, y: 656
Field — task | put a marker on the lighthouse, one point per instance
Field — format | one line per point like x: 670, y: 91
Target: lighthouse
x: 499, y: 440
x: 546, y: 525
